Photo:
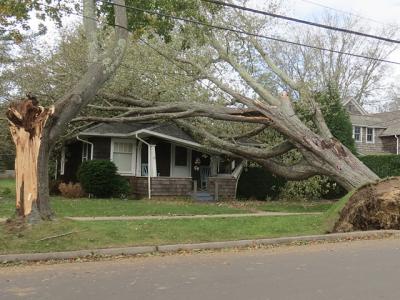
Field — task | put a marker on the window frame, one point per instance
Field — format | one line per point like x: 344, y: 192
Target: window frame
x: 360, y: 134
x: 133, y: 157
x: 372, y: 135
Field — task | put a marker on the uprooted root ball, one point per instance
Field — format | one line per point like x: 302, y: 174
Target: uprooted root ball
x: 373, y: 207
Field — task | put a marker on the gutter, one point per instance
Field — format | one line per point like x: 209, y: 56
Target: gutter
x: 149, y: 164
x: 89, y: 143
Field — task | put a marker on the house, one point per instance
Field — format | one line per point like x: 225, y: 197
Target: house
x: 377, y: 133
x: 157, y: 159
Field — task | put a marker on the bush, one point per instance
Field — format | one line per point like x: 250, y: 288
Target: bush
x: 100, y: 178
x: 71, y: 190
x: 336, y: 116
x: 255, y: 182
x: 383, y: 165
x: 312, y: 189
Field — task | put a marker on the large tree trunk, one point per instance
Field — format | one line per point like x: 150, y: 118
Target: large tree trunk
x: 35, y: 129
x: 26, y: 121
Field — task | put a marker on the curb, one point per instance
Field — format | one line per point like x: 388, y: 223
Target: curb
x: 131, y: 251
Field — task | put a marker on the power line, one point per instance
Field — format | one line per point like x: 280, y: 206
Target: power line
x: 276, y: 39
x: 344, y: 11
x: 301, y: 21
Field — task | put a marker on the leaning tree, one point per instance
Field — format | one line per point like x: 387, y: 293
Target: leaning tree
x: 240, y: 66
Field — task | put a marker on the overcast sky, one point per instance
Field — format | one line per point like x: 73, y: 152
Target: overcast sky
x: 375, y: 13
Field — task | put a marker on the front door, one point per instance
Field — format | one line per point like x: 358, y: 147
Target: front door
x: 201, y: 168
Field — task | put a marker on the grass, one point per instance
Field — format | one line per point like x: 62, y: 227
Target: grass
x: 296, y: 207
x: 103, y: 234
x: 85, y: 207
x: 99, y: 234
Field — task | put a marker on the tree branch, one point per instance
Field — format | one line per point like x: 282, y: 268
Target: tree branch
x: 298, y: 171
x: 243, y: 151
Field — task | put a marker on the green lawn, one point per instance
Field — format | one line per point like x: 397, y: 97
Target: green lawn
x: 298, y: 207
x: 85, y: 207
x: 103, y: 234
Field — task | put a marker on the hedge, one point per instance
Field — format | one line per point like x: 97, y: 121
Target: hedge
x: 383, y: 165
x: 257, y: 183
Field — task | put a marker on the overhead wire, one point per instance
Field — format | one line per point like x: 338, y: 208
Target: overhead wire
x: 301, y: 21
x: 239, y: 31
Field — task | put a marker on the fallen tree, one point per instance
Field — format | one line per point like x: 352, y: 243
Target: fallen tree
x: 219, y: 59
x: 372, y: 207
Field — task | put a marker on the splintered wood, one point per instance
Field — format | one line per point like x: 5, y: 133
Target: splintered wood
x: 26, y: 122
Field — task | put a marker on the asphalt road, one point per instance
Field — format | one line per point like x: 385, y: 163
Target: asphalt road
x: 352, y: 270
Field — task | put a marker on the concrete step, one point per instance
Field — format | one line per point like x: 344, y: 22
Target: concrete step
x: 202, y: 196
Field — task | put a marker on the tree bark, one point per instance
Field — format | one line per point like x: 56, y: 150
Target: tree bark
x: 36, y: 129
x: 26, y: 122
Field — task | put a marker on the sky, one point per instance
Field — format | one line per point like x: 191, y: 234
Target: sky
x: 375, y: 13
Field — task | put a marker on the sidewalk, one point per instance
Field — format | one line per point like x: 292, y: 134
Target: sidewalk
x: 175, y: 217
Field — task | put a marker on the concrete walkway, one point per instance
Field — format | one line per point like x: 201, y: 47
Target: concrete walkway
x: 176, y: 217
x: 179, y: 217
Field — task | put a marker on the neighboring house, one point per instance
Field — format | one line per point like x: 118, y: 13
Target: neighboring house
x: 160, y: 154
x: 377, y: 133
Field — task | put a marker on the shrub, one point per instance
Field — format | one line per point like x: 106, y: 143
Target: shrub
x: 100, y: 178
x: 54, y: 185
x: 315, y: 188
x: 336, y: 116
x: 383, y: 165
x: 256, y: 182
x: 71, y: 190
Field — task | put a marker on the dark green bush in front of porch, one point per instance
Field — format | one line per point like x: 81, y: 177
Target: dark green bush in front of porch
x: 383, y: 165
x: 100, y: 178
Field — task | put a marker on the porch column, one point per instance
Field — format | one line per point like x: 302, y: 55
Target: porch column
x: 214, y: 165
x: 152, y: 161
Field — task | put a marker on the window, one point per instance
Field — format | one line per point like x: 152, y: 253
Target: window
x: 370, y: 135
x: 357, y: 133
x: 181, y: 158
x: 122, y: 156
x: 86, y: 152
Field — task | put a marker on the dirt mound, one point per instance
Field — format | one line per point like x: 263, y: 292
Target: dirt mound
x: 373, y: 207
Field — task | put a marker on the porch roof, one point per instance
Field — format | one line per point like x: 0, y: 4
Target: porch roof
x: 166, y: 130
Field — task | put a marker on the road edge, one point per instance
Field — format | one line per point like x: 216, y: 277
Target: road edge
x: 140, y: 250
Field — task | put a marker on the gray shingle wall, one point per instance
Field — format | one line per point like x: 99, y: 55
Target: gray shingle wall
x: 381, y: 145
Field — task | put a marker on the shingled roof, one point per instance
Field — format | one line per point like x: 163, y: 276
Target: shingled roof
x: 129, y: 129
x: 390, y: 121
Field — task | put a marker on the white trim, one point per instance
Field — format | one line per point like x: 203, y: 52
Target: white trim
x: 133, y: 162
x: 171, y: 138
x: 357, y: 105
x: 188, y: 166
x: 62, y: 161
x: 366, y: 135
x: 167, y: 137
